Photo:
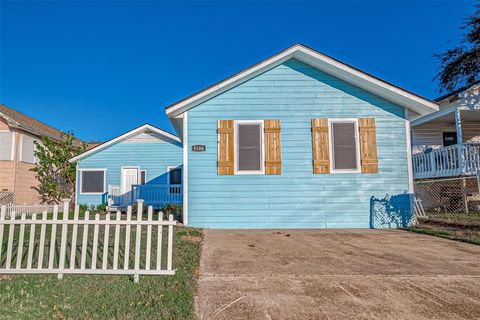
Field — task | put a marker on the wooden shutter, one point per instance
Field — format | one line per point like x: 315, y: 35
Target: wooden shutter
x: 321, y: 154
x: 368, y: 145
x: 225, y: 158
x: 273, y: 148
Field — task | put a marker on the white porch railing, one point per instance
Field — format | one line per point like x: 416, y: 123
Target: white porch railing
x: 60, y: 254
x: 114, y: 195
x: 455, y: 160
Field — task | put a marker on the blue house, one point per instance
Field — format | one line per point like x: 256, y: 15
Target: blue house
x: 299, y: 140
x: 144, y: 163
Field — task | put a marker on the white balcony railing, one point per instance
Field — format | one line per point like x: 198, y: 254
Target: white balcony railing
x: 455, y: 160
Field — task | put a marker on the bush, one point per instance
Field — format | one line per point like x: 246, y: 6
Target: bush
x: 101, y: 208
x: 175, y: 209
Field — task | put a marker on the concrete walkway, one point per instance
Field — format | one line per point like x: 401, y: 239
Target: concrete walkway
x: 336, y: 274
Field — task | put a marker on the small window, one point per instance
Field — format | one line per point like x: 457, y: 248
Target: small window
x: 92, y: 181
x: 449, y: 138
x: 143, y: 176
x: 6, y: 146
x: 174, y: 176
x: 249, y: 147
x: 27, y: 151
x: 344, y: 146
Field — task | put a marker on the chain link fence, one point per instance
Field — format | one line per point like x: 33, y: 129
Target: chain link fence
x: 447, y: 198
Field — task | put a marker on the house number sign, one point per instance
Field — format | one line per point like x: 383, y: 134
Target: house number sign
x: 199, y: 148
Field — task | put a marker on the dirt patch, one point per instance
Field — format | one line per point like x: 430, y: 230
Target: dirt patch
x: 336, y: 274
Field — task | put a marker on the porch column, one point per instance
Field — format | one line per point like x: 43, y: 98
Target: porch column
x: 458, y: 126
x: 461, y: 153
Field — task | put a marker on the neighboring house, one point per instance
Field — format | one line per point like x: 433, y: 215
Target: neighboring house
x: 446, y: 153
x: 17, y: 135
x: 299, y: 140
x: 446, y: 143
x: 144, y: 163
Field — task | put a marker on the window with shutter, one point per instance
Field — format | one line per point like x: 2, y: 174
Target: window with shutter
x: 249, y: 156
x: 344, y: 145
x: 27, y: 150
x: 6, y: 146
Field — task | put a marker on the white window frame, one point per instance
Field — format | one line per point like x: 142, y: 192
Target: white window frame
x: 357, y: 145
x: 93, y: 169
x: 12, y: 154
x: 262, y: 147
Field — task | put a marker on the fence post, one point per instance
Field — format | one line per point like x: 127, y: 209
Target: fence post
x: 63, y: 242
x: 3, y: 212
x: 170, y: 244
x: 138, y: 239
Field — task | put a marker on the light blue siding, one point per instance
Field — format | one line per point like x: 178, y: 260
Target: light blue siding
x: 151, y: 156
x: 294, y: 93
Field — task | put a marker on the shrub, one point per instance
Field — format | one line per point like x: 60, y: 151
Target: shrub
x: 175, y: 209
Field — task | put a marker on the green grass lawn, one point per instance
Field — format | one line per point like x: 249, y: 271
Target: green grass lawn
x: 458, y: 218
x: 465, y: 228
x: 106, y: 297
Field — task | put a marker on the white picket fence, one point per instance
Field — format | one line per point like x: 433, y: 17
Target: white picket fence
x: 32, y: 257
x: 28, y: 209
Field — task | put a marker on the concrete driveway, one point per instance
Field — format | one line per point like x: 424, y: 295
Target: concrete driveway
x: 336, y: 274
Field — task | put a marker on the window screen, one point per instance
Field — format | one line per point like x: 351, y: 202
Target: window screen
x: 28, y: 149
x: 344, y: 146
x: 6, y: 140
x: 176, y: 176
x: 249, y: 147
x: 93, y: 181
x: 143, y: 177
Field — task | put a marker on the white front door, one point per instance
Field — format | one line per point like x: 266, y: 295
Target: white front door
x: 129, y: 177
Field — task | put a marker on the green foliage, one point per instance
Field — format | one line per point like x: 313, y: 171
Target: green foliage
x: 102, y: 207
x: 175, y: 209
x: 461, y: 65
x: 55, y: 174
x: 92, y: 208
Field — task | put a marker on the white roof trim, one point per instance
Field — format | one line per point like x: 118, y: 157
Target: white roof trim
x: 317, y: 60
x: 123, y: 137
x: 434, y: 116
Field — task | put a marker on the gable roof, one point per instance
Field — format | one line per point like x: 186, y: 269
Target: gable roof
x: 319, y: 61
x: 23, y: 122
x: 122, y: 137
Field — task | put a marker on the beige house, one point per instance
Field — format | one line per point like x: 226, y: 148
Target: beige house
x: 446, y: 143
x: 446, y: 154
x: 17, y: 135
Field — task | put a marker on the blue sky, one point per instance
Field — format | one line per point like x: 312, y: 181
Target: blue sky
x: 102, y: 68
